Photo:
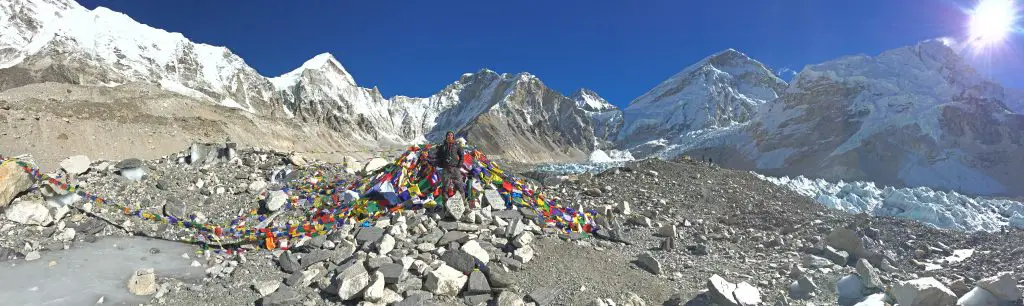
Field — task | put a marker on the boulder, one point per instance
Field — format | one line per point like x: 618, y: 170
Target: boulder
x: 721, y: 291
x: 802, y: 288
x: 523, y: 254
x: 877, y: 299
x: 523, y: 239
x: 142, y: 282
x: 265, y: 288
x: 922, y: 292
x: 478, y: 284
x: 837, y: 257
x: 649, y: 263
x: 455, y: 206
x: 374, y: 164
x: 445, y: 281
x: 13, y: 181
x: 631, y: 299
x: 375, y: 291
x: 385, y: 244
x: 276, y: 200
x: 75, y: 165
x: 669, y: 230
x: 350, y: 282
x: 1003, y: 286
x: 747, y: 295
x: 509, y: 298
x: 493, y: 199
x: 978, y: 297
x: 850, y: 289
x: 298, y: 160
x: 29, y: 213
x: 473, y: 248
x: 869, y: 275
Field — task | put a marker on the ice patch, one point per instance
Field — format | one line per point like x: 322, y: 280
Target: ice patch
x: 88, y: 271
x: 948, y: 210
x: 600, y: 156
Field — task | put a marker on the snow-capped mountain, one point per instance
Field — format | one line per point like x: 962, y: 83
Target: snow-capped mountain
x: 721, y: 90
x: 912, y: 116
x: 607, y: 119
x: 1015, y: 100
x: 515, y: 115
x: 322, y: 91
x: 61, y: 41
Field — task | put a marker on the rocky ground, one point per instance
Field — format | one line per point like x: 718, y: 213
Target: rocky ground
x: 673, y: 233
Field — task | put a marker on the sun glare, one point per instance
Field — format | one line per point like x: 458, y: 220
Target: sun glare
x: 991, y: 22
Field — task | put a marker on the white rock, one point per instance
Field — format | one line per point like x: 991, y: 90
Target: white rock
x: 67, y: 234
x: 142, y: 282
x: 257, y: 186
x: 375, y: 164
x: 276, y: 200
x: 721, y: 291
x: 523, y: 254
x: 473, y: 248
x: 445, y: 280
x: 387, y: 243
x: 747, y: 295
x: 923, y: 292
x: 29, y: 213
x: 33, y: 255
x: 265, y: 288
x: 978, y: 297
x: 523, y: 239
x: 877, y: 299
x: 391, y: 297
x: 631, y: 299
x: 75, y: 165
x: 375, y: 292
x: 1003, y: 286
x: 509, y: 298
x: 352, y: 281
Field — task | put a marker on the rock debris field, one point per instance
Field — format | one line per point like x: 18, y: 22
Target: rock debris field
x: 667, y: 233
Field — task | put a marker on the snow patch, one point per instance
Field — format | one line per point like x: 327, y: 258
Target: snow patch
x: 600, y: 156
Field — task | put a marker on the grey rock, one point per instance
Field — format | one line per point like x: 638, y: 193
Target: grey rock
x: 288, y: 262
x: 649, y: 263
x: 416, y: 298
x: 816, y: 262
x: 497, y: 277
x: 478, y: 283
x: 285, y: 296
x: 265, y: 288
x: 747, y: 295
x: 477, y: 299
x: 493, y: 198
x: 393, y: 273
x: 452, y: 236
x: 369, y: 235
x: 802, y: 288
x: 837, y: 257
x: 697, y: 249
x: 668, y: 244
x: 459, y: 260
x: 315, y: 257
x: 869, y: 275
x: 543, y: 295
x: 445, y: 280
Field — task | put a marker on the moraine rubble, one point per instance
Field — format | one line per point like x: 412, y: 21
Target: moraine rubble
x: 669, y: 233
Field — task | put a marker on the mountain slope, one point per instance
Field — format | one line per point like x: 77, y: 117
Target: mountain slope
x: 912, y: 116
x: 606, y: 118
x: 64, y: 42
x: 718, y: 91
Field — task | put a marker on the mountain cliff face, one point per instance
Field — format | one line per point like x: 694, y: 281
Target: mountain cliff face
x: 719, y: 91
x: 912, y: 116
x: 606, y: 118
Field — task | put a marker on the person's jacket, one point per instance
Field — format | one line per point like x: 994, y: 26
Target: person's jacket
x: 448, y: 155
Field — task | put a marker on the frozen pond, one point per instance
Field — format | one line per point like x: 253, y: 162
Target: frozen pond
x: 88, y: 271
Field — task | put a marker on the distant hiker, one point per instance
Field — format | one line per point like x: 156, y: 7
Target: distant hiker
x: 449, y: 160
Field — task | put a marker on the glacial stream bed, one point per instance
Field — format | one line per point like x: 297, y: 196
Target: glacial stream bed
x: 84, y: 273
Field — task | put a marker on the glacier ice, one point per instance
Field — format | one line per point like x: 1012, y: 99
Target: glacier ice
x: 949, y: 210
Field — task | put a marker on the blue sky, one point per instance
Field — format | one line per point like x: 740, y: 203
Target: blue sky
x: 620, y: 49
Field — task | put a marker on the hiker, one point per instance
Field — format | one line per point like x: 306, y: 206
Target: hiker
x: 449, y: 160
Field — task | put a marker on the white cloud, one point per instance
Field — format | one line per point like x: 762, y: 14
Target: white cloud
x: 785, y: 73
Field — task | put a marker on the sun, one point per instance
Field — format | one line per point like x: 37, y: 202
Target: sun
x: 991, y: 22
